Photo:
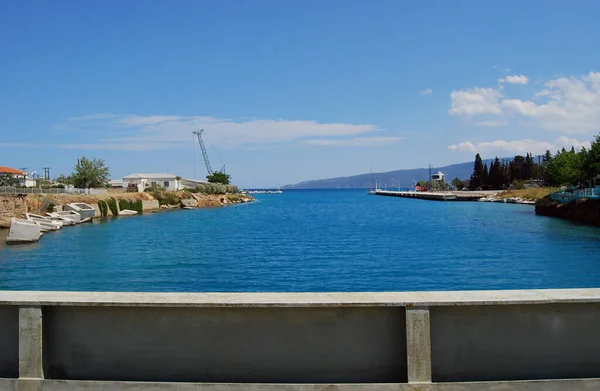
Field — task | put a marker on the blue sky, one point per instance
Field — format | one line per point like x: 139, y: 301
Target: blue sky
x: 293, y: 90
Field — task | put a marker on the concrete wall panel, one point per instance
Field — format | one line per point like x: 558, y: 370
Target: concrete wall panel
x: 9, y: 341
x: 514, y: 342
x: 270, y: 345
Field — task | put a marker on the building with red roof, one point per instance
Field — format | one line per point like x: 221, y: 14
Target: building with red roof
x: 19, y: 175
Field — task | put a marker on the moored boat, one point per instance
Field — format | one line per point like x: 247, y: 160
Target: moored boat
x: 23, y: 231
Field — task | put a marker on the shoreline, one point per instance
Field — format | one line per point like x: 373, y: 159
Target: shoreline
x: 16, y: 205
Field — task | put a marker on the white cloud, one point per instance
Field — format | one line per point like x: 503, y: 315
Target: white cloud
x: 474, y: 101
x: 569, y: 105
x: 506, y: 69
x: 135, y: 133
x: 427, y: 91
x: 490, y: 148
x: 491, y: 123
x: 353, y: 142
x: 522, y: 79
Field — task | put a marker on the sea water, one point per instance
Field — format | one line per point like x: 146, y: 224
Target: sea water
x: 313, y: 240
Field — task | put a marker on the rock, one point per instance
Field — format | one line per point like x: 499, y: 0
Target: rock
x: 11, y: 206
x: 585, y: 211
x: 190, y: 203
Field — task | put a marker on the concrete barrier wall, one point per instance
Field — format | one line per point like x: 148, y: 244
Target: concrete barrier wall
x: 523, y: 340
x: 9, y: 341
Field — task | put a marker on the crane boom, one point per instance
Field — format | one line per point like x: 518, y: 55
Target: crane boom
x: 204, y: 153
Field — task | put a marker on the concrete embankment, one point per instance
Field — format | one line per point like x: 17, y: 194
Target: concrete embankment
x: 530, y: 340
x: 434, y: 195
x: 584, y: 211
x: 17, y: 205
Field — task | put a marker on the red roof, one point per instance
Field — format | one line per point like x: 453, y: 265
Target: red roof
x: 8, y: 170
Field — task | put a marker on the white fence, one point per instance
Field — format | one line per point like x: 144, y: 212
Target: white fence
x: 40, y: 190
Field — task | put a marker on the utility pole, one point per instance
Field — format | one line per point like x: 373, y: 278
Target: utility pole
x: 430, y: 180
x: 194, y: 152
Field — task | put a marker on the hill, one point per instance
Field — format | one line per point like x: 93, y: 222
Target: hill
x: 397, y: 178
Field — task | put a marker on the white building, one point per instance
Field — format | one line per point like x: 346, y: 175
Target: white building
x: 439, y: 177
x: 145, y: 181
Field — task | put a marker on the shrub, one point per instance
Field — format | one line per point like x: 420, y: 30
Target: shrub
x: 518, y: 185
x: 50, y: 207
x: 103, y: 206
x: 112, y: 205
x: 123, y: 204
x: 214, y: 188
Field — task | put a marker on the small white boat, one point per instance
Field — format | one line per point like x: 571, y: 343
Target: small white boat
x: 86, y: 211
x: 127, y: 212
x: 67, y: 215
x: 23, y: 231
x: 44, y: 222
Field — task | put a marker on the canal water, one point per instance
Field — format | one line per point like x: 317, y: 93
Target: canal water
x: 317, y: 240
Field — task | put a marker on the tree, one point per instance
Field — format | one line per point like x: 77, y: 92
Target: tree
x: 219, y: 177
x: 485, y: 176
x: 458, y: 184
x: 8, y: 180
x: 476, y: 178
x: 90, y: 173
x: 64, y: 180
x: 527, y: 169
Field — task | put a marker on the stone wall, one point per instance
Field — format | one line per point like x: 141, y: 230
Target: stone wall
x: 150, y: 205
x: 11, y: 206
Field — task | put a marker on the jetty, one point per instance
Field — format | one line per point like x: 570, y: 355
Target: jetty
x: 433, y: 195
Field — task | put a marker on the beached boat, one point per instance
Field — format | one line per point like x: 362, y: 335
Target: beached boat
x: 86, y: 211
x: 67, y: 215
x: 127, y: 212
x: 45, y: 223
x: 23, y: 231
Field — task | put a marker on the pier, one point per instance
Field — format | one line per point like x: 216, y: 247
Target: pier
x: 530, y: 340
x: 433, y: 195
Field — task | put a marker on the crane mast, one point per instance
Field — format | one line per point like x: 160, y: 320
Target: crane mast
x: 204, y: 153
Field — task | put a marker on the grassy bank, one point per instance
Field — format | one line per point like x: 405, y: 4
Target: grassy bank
x: 531, y: 194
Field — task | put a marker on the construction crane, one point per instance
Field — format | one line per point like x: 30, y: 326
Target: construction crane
x: 205, y: 154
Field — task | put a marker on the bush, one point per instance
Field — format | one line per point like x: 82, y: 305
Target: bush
x: 112, y: 205
x: 214, y: 188
x: 103, y: 206
x: 518, y: 185
x: 131, y: 205
x: 50, y: 207
x: 165, y: 197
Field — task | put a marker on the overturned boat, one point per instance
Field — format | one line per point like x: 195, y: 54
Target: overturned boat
x: 45, y: 223
x: 23, y: 231
x: 69, y: 217
x: 127, y: 212
x: 86, y: 211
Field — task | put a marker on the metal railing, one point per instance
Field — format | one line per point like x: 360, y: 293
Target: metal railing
x: 567, y: 196
x: 51, y: 190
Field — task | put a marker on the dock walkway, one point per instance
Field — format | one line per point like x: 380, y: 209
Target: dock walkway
x: 435, y: 196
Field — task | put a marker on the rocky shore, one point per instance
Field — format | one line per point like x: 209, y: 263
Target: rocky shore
x: 584, y: 211
x: 19, y: 204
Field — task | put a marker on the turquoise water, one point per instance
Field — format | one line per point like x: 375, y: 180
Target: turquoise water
x: 330, y: 240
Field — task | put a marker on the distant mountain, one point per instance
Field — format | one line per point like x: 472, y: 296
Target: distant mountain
x: 398, y: 178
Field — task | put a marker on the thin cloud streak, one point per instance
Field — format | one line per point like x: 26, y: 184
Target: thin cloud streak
x: 145, y: 133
